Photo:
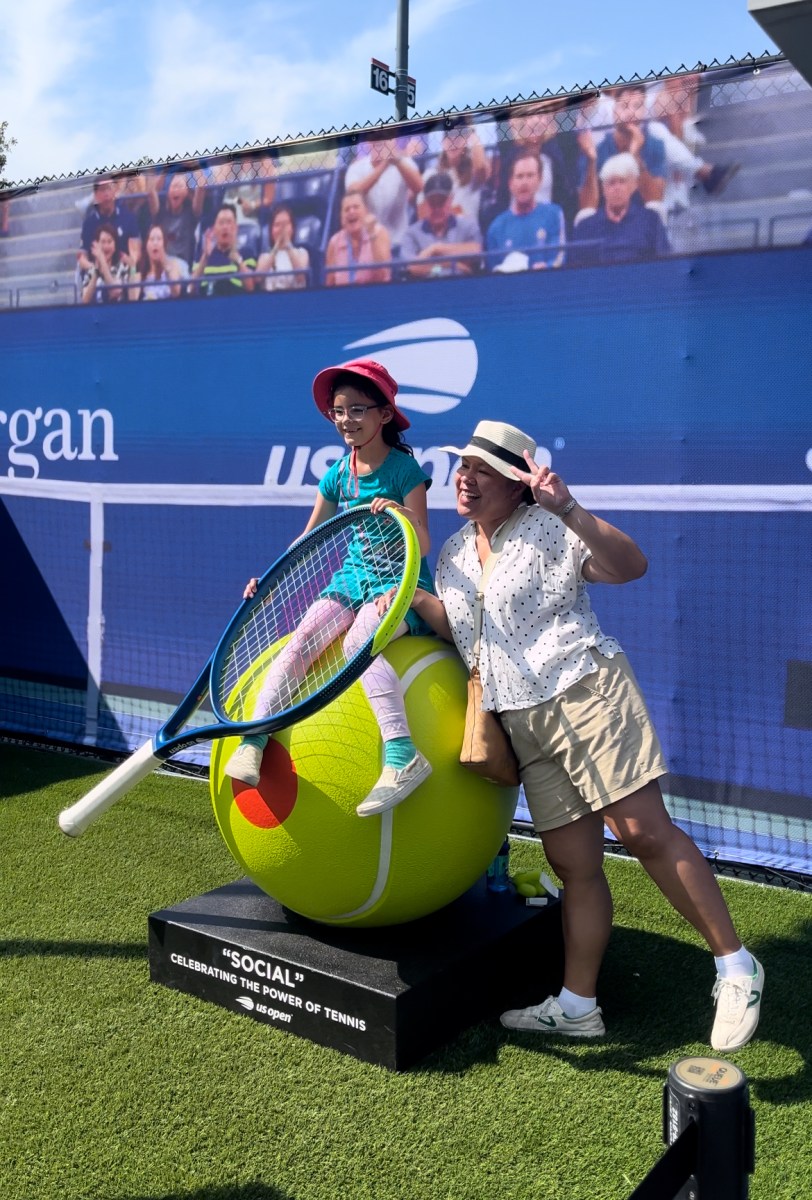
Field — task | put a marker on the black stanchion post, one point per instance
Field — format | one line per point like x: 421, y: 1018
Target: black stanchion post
x: 713, y: 1094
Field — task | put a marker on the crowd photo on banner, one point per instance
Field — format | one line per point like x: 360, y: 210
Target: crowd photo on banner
x: 639, y: 171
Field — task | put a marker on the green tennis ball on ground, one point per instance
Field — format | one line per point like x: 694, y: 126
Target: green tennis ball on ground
x: 297, y: 834
x: 526, y: 889
x: 527, y: 879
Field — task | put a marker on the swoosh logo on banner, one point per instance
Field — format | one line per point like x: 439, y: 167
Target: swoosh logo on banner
x: 434, y: 360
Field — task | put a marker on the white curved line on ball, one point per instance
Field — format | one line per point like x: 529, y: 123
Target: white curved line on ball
x: 387, y: 818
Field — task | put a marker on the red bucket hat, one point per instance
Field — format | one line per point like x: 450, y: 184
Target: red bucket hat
x: 367, y: 368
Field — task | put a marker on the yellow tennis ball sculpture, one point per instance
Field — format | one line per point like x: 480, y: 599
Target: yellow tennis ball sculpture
x: 298, y: 837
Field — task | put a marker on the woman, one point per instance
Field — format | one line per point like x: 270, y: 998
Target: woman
x: 572, y: 709
x: 360, y: 243
x: 159, y: 274
x: 109, y: 269
x: 279, y: 264
x: 463, y: 158
x: 389, y: 182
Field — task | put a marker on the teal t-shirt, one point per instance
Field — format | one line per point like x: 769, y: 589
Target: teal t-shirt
x: 397, y: 476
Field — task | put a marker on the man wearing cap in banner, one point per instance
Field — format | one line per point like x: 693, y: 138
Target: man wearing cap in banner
x: 569, y: 702
x: 430, y: 243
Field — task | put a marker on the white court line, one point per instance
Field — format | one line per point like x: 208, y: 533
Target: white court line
x: 387, y: 818
x: 648, y: 497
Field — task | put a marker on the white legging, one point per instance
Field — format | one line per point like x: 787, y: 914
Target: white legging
x: 320, y: 625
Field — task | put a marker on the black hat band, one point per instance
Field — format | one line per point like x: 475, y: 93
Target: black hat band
x: 506, y: 456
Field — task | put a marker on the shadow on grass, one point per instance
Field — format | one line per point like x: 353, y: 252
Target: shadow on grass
x: 26, y: 770
x: 48, y: 949
x: 656, y: 996
x: 242, y: 1191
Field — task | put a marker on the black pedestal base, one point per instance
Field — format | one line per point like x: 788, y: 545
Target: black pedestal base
x: 388, y: 996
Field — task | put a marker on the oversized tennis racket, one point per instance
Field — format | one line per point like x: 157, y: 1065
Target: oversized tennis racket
x: 352, y: 558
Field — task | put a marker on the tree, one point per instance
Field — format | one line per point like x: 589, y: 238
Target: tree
x: 5, y: 145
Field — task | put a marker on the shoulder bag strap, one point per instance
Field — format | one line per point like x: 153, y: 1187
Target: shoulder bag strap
x: 497, y: 542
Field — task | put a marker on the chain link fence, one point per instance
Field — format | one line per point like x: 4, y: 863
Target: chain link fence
x: 712, y: 159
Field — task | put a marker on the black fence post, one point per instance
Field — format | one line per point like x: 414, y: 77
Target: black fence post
x: 713, y: 1094
x: 709, y: 1129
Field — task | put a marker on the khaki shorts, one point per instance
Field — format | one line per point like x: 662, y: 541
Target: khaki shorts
x: 588, y: 747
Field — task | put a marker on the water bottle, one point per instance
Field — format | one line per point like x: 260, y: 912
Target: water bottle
x: 498, y: 874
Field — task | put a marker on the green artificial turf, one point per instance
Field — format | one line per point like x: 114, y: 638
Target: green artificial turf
x: 113, y: 1088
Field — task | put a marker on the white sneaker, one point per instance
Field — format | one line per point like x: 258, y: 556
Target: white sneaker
x: 549, y: 1017
x: 738, y: 1003
x: 394, y: 786
x: 245, y: 764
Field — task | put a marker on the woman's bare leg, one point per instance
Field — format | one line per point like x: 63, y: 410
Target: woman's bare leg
x: 641, y: 823
x: 575, y: 852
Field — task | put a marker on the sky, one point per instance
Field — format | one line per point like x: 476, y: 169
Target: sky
x: 95, y: 84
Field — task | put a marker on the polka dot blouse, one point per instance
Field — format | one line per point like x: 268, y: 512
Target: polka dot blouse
x: 537, y: 623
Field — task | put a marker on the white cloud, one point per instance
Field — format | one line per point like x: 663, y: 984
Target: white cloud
x: 237, y: 88
x: 46, y: 46
x: 87, y: 87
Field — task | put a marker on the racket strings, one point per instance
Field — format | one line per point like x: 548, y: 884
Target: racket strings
x: 291, y: 643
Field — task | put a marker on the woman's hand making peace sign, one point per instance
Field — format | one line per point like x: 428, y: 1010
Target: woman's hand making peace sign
x: 549, y: 490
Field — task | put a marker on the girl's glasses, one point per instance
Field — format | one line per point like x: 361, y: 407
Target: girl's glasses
x: 355, y: 412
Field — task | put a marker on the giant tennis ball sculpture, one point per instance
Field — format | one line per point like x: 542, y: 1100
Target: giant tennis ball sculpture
x: 297, y: 834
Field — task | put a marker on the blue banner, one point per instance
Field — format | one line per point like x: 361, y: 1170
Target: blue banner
x: 663, y: 373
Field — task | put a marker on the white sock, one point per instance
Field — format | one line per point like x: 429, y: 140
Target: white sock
x: 575, y: 1006
x: 740, y: 962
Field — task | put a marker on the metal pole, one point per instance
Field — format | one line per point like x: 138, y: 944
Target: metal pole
x: 402, y: 60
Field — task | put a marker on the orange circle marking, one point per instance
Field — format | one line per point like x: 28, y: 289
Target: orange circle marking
x: 271, y: 802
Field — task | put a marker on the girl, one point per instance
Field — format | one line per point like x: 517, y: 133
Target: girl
x: 279, y: 263
x: 110, y: 268
x: 380, y: 470
x: 159, y: 274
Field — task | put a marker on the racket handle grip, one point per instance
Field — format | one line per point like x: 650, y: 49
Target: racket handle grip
x: 75, y: 820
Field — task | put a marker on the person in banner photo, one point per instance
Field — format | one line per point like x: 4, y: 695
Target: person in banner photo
x: 567, y: 698
x: 160, y: 274
x: 285, y: 265
x: 110, y: 268
x: 221, y: 268
x: 623, y: 229
x: 379, y: 469
x: 360, y: 245
x: 108, y: 210
x: 528, y: 235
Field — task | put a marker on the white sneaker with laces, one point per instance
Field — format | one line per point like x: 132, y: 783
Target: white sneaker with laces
x: 549, y: 1017
x: 394, y: 786
x: 245, y: 764
x: 738, y: 1004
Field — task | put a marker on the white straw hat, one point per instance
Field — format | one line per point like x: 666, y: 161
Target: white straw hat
x: 499, y: 445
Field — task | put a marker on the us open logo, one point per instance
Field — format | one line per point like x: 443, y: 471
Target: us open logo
x: 435, y: 362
